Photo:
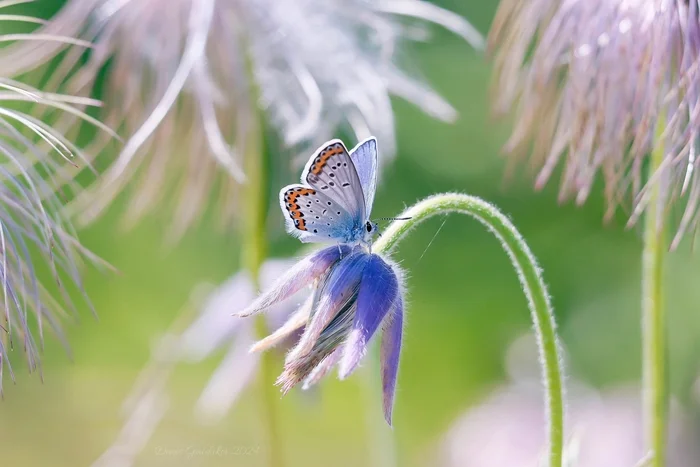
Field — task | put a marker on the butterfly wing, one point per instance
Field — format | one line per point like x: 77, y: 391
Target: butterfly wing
x: 312, y: 216
x: 332, y: 172
x: 365, y: 158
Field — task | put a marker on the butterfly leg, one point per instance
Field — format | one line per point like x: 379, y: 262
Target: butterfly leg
x: 340, y: 251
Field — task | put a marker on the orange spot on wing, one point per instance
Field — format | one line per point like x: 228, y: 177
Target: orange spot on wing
x: 322, y: 158
x: 292, y: 205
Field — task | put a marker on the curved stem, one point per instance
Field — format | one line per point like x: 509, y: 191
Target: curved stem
x: 531, y: 281
x: 653, y: 323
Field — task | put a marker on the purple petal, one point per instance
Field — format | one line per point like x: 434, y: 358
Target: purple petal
x: 294, y: 322
x: 297, y: 277
x: 299, y: 366
x: 378, y: 291
x: 390, y: 353
x: 339, y: 288
x: 279, y: 313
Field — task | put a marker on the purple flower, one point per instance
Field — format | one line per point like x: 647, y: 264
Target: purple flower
x: 354, y: 294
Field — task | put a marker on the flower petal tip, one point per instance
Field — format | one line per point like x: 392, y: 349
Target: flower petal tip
x: 286, y: 382
x: 387, y: 417
x: 245, y: 313
x: 352, y: 354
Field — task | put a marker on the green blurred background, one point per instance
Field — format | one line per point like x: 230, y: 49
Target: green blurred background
x: 465, y: 305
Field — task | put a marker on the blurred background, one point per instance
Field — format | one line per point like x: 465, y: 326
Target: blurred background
x: 465, y: 311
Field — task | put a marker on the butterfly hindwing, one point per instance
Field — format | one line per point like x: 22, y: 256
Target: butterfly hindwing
x: 332, y: 172
x: 365, y: 158
x: 313, y: 216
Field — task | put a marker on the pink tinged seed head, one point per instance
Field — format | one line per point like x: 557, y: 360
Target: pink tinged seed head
x: 596, y: 86
x: 186, y: 81
x: 37, y: 173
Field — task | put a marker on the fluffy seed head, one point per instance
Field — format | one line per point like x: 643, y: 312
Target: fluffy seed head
x: 36, y: 244
x: 185, y: 81
x: 595, y: 86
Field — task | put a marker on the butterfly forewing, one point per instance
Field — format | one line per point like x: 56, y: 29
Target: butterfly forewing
x: 313, y: 216
x: 332, y: 172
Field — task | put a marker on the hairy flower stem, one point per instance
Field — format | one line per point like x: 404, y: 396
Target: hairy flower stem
x: 654, y: 322
x: 531, y: 281
x: 257, y: 196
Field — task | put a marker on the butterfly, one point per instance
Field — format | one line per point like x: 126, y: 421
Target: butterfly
x: 334, y: 200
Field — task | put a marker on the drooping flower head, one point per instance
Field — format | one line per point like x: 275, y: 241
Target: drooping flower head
x: 185, y: 80
x: 354, y: 294
x: 597, y: 85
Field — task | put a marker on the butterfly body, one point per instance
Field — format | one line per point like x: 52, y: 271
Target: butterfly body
x: 334, y: 200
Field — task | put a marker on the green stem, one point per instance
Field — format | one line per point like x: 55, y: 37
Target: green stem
x: 653, y: 323
x: 270, y: 396
x: 257, y: 197
x: 531, y: 281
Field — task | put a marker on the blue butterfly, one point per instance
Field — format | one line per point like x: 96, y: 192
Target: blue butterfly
x: 334, y: 201
x: 356, y: 293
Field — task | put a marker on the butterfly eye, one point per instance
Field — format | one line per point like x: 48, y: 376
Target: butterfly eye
x: 368, y: 226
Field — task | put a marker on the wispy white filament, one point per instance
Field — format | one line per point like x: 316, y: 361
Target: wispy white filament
x: 593, y: 83
x: 186, y: 79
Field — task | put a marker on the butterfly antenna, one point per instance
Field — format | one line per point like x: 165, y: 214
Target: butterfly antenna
x: 432, y: 240
x: 394, y: 218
